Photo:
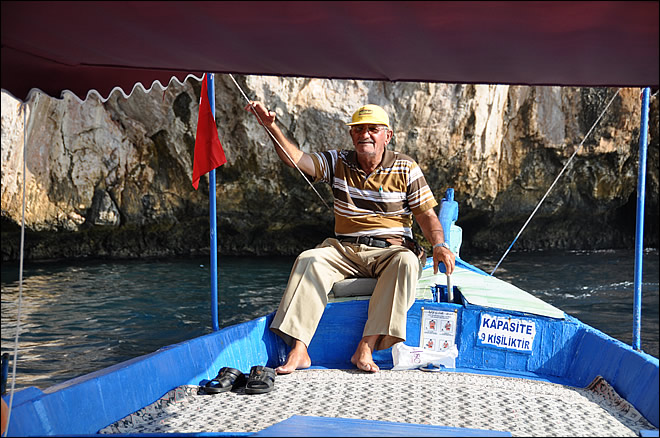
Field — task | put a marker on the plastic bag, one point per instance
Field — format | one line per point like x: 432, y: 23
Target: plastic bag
x: 410, y: 358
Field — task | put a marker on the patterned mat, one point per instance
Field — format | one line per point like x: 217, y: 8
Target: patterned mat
x: 521, y: 407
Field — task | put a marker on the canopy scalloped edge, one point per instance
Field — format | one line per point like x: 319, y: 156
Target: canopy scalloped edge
x: 94, y: 92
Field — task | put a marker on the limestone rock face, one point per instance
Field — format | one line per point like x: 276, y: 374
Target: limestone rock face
x: 113, y: 179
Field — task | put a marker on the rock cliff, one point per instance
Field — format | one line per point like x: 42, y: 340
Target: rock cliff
x: 113, y: 179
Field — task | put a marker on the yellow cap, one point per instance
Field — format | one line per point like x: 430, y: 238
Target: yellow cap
x: 372, y: 114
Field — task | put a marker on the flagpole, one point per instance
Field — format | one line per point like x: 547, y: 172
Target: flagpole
x: 639, y: 230
x: 212, y: 219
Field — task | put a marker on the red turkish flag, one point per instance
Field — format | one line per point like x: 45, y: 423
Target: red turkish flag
x: 208, y: 150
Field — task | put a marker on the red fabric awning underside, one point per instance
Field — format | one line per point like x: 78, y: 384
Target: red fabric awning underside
x: 80, y: 46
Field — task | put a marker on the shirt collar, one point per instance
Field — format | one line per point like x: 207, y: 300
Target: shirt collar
x: 388, y: 159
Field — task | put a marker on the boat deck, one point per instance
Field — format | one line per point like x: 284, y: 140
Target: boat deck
x: 521, y: 407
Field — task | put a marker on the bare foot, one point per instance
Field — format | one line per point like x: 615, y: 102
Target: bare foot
x: 362, y: 358
x: 296, y: 359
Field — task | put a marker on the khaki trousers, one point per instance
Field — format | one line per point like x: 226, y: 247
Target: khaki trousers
x: 317, y: 270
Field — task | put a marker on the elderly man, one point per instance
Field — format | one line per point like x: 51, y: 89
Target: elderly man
x: 376, y: 191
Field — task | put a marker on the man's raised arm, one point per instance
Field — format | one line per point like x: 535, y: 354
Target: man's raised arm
x: 288, y: 151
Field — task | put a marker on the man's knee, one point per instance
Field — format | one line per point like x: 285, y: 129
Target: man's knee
x: 315, y: 256
x: 310, y: 256
x: 408, y: 262
x: 407, y: 258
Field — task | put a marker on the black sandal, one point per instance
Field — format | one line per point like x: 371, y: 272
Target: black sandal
x: 227, y: 379
x: 261, y: 380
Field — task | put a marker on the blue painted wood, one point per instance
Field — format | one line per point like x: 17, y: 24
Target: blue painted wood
x: 448, y: 214
x: 103, y: 397
x: 340, y: 330
x: 553, y: 346
x: 298, y: 425
x: 191, y: 434
x: 24, y: 395
x: 634, y: 375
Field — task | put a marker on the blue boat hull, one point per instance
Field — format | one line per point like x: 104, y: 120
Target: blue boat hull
x: 565, y: 351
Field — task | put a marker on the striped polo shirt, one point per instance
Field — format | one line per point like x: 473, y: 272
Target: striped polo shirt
x: 380, y: 204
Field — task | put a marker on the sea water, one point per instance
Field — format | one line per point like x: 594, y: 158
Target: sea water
x: 81, y: 316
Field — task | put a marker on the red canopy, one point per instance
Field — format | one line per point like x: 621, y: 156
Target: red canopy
x: 79, y: 46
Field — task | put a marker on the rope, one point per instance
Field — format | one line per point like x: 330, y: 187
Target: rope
x: 556, y: 179
x: 278, y: 143
x: 23, y: 108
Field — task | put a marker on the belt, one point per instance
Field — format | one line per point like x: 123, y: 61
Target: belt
x: 366, y: 240
x: 384, y: 243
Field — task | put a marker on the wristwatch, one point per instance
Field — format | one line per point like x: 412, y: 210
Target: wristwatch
x: 445, y: 244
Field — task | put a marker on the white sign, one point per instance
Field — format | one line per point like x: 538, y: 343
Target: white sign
x: 506, y: 332
x: 438, y: 330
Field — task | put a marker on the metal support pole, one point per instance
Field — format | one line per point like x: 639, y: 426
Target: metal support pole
x: 212, y: 220
x: 450, y: 289
x: 639, y: 231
